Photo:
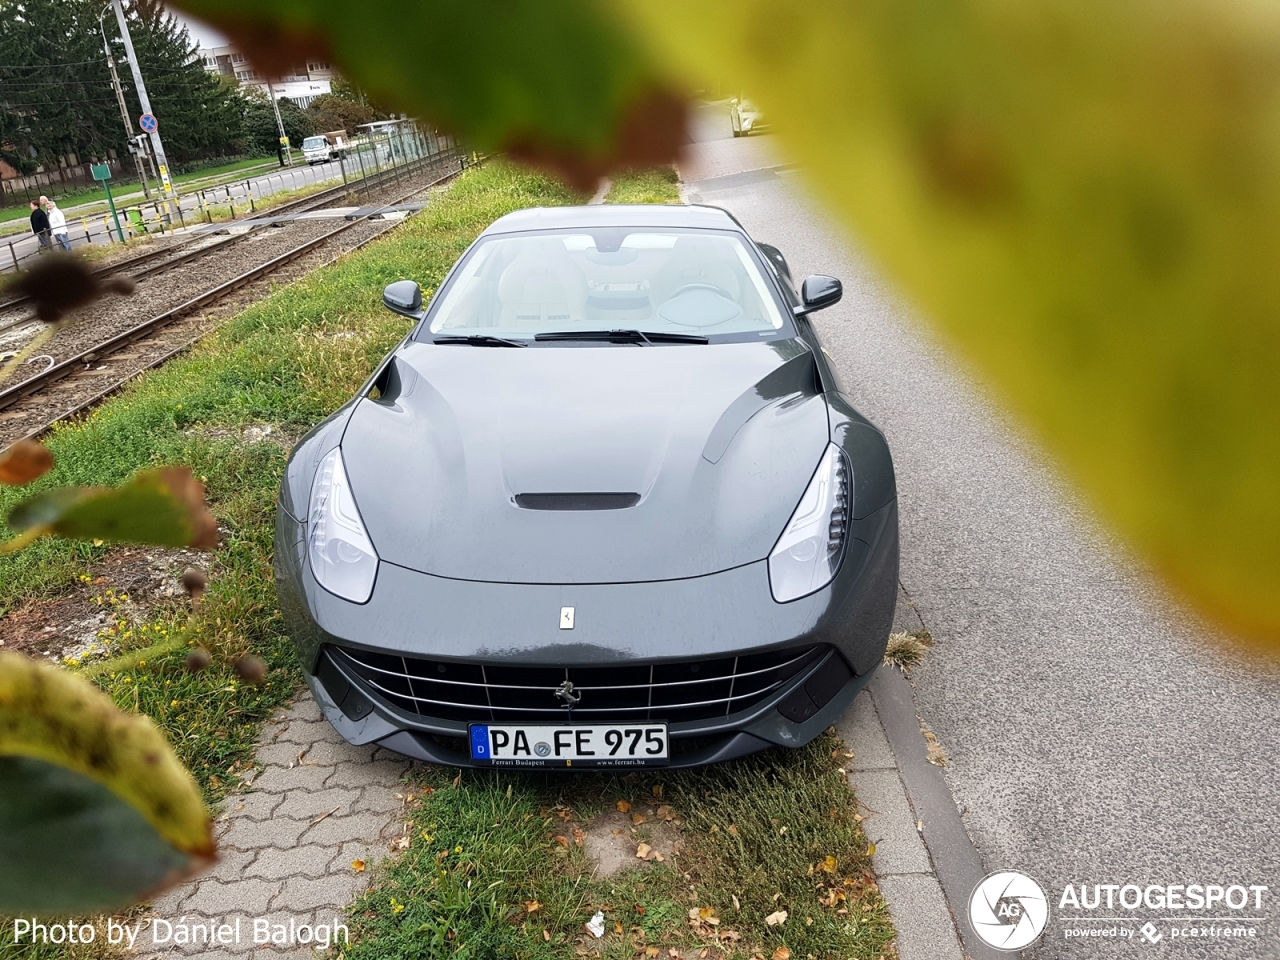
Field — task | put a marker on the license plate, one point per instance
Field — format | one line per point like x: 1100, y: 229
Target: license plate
x: 583, y: 745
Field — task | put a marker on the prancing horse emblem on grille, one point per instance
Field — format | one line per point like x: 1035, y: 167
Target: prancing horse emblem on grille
x: 566, y: 693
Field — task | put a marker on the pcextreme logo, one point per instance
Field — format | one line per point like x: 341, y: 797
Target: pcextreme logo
x: 1008, y: 910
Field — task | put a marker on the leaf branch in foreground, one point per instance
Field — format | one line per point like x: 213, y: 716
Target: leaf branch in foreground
x: 163, y: 507
x: 72, y: 765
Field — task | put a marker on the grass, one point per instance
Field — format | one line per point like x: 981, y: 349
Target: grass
x: 484, y: 874
x: 657, y: 185
x: 288, y: 360
x: 906, y: 650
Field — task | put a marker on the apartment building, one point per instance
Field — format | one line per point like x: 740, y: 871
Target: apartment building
x: 302, y: 85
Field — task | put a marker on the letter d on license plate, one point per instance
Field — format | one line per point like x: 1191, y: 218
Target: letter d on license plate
x: 580, y: 745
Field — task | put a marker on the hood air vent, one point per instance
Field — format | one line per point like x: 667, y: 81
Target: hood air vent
x: 577, y: 501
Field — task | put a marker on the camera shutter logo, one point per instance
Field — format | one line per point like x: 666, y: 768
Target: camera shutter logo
x: 1008, y: 910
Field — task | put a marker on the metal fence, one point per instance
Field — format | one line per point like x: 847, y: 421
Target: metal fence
x: 365, y: 163
x: 65, y: 178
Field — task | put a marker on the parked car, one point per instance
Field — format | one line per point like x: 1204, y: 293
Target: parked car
x: 745, y: 117
x: 604, y: 505
x: 324, y: 147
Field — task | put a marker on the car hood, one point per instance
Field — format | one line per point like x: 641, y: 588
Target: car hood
x: 718, y: 443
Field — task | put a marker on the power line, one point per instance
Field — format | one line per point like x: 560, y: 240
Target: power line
x: 48, y: 66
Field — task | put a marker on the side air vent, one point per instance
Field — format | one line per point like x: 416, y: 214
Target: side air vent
x: 577, y: 501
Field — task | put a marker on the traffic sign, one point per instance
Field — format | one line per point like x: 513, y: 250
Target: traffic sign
x: 149, y: 123
x: 100, y: 171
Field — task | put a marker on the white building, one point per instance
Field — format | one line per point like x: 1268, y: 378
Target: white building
x: 301, y: 86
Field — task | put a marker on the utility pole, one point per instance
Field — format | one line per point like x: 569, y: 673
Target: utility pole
x: 124, y: 111
x: 286, y: 149
x: 156, y: 146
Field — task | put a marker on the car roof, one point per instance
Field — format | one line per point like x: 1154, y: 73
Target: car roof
x: 615, y: 215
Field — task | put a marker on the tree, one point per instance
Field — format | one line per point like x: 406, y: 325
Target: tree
x: 328, y: 112
x: 258, y: 121
x: 57, y: 96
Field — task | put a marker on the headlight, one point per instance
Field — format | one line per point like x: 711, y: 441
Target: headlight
x: 342, y: 556
x: 809, y: 551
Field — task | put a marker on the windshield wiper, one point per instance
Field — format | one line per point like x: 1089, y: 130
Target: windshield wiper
x: 622, y: 336
x: 480, y: 340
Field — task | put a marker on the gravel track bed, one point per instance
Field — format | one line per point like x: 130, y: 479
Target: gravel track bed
x: 115, y: 314
x: 18, y: 325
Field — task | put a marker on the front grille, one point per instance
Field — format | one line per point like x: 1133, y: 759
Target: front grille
x: 674, y: 691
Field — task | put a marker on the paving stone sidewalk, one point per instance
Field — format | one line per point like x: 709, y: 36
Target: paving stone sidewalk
x: 287, y: 846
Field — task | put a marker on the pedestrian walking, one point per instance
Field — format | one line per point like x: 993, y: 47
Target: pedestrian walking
x: 58, y: 224
x: 40, y: 225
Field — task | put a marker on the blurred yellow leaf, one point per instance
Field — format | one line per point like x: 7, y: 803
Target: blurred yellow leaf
x: 1085, y: 196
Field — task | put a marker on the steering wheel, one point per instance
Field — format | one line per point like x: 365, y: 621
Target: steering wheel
x: 721, y: 291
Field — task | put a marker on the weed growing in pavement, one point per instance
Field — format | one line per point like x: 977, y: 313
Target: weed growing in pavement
x: 906, y: 650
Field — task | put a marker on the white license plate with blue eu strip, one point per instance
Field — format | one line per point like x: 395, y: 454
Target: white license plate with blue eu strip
x: 586, y: 744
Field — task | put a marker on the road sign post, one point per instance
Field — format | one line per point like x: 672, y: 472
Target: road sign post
x: 102, y: 172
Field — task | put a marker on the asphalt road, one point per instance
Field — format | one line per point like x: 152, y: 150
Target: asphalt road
x: 1097, y: 733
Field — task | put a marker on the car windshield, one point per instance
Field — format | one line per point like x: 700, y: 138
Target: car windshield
x: 313, y: 142
x: 654, y: 280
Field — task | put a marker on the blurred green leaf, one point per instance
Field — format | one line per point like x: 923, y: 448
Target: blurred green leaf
x: 563, y: 84
x: 163, y: 507
x: 70, y: 845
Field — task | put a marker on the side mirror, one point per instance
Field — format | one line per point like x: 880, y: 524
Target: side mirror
x: 403, y: 297
x: 819, y: 292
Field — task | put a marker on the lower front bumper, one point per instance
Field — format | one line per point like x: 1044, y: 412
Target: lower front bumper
x: 692, y: 744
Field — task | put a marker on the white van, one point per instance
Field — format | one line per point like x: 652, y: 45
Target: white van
x: 324, y: 147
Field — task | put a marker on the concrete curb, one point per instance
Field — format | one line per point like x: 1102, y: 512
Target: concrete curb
x: 956, y: 862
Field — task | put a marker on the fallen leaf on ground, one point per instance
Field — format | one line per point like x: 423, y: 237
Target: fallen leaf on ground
x: 733, y: 829
x: 782, y: 953
x: 532, y: 906
x: 828, y: 864
x: 776, y: 919
x: 357, y: 866
x: 562, y: 840
x: 623, y: 806
x: 643, y: 851
x: 657, y: 789
x: 736, y: 904
x: 664, y: 812
x: 400, y: 843
x: 638, y: 818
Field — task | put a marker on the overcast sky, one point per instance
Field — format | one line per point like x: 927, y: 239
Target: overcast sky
x: 201, y: 33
